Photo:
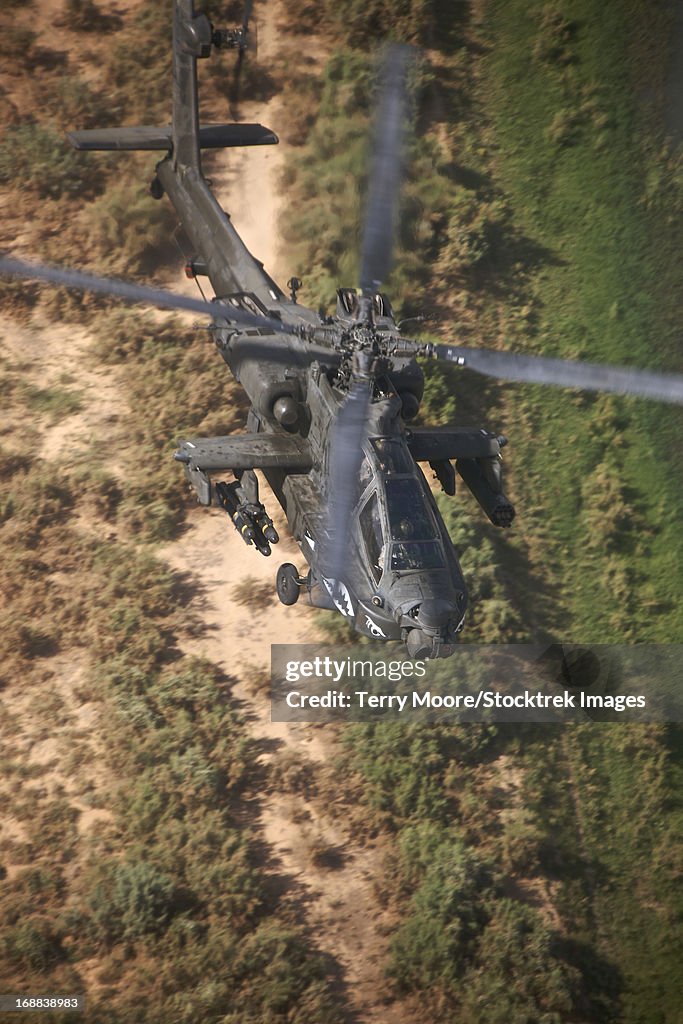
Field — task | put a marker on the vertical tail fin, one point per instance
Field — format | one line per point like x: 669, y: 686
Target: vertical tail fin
x: 192, y: 37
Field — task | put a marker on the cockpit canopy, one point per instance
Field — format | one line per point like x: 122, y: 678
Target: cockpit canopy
x: 397, y: 525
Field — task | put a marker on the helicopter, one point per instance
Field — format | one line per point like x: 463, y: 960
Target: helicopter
x: 332, y: 398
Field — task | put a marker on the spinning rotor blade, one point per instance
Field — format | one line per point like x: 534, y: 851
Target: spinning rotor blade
x: 134, y: 293
x: 667, y: 387
x: 386, y: 169
x: 346, y: 455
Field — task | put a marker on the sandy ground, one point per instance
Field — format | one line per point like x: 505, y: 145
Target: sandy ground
x: 339, y: 902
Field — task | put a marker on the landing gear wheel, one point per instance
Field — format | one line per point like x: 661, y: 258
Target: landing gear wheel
x: 287, y: 583
x: 156, y: 188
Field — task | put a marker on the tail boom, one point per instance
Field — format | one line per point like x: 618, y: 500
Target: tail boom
x: 229, y: 264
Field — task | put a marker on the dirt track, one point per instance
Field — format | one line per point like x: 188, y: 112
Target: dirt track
x: 339, y: 902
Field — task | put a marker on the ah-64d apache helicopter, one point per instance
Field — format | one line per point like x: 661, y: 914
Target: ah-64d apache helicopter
x: 330, y: 397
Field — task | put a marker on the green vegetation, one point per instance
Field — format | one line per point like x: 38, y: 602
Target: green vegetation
x: 188, y: 894
x: 326, y: 180
x: 473, y: 877
x: 99, y: 207
x: 128, y: 231
x: 42, y: 160
x: 587, y: 182
x: 548, y: 224
x: 131, y: 901
x: 57, y: 402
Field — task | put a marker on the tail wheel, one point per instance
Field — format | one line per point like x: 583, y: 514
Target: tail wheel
x: 287, y: 583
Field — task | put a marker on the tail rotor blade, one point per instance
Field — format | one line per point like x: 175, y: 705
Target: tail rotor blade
x: 247, y: 42
x: 386, y: 170
x: 666, y: 387
x: 248, y: 8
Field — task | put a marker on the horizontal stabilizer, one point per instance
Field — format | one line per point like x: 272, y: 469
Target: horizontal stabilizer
x: 431, y: 444
x: 211, y: 136
x: 246, y: 451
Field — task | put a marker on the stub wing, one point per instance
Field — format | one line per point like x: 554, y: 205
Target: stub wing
x: 435, y: 444
x: 208, y: 455
x: 246, y: 451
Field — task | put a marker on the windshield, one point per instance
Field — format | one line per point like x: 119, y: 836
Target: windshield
x: 412, y: 540
x: 371, y: 529
x: 417, y: 555
x: 393, y: 457
x: 409, y: 517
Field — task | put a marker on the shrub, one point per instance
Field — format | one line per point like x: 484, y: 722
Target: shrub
x: 55, y: 402
x: 518, y: 975
x: 611, y: 521
x: 128, y: 602
x: 448, y: 912
x: 127, y: 231
x: 283, y: 976
x: 404, y: 767
x: 86, y: 16
x: 35, y: 499
x: 33, y: 944
x: 98, y: 488
x: 152, y: 506
x: 141, y: 81
x: 131, y: 900
x: 363, y: 22
x: 555, y: 37
x: 522, y: 841
x: 17, y: 44
x: 42, y: 160
x: 474, y: 229
x: 73, y: 102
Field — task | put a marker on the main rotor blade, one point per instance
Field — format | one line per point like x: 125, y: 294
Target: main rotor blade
x: 386, y: 170
x: 667, y: 387
x: 134, y: 293
x: 346, y: 455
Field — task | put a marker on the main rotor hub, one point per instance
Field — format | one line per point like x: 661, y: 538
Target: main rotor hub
x: 364, y: 338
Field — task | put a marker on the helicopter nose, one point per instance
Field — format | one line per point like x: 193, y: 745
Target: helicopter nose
x: 435, y: 613
x: 434, y: 621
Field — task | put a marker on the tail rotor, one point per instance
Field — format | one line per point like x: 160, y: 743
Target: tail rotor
x: 245, y: 39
